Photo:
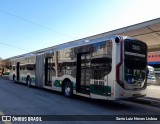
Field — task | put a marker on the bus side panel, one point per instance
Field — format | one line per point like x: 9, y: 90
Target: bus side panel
x: 39, y: 70
x: 112, y: 75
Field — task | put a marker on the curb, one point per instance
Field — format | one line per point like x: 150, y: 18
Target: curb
x: 149, y: 100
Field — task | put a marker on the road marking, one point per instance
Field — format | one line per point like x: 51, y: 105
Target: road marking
x: 5, y: 122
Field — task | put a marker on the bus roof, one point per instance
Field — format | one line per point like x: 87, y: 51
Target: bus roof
x: 75, y: 43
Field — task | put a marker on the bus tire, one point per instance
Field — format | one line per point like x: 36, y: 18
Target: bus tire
x: 28, y: 81
x: 68, y: 89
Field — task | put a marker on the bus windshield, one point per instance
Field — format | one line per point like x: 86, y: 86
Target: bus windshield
x: 135, y: 62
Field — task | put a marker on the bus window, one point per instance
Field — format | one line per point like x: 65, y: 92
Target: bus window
x: 13, y: 67
x: 100, y: 67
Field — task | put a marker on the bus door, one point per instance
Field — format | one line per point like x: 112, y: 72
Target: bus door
x: 39, y: 70
x: 17, y: 69
x: 83, y: 73
x: 48, y: 71
x: 101, y: 67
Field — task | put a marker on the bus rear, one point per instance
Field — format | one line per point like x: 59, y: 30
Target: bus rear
x: 133, y: 67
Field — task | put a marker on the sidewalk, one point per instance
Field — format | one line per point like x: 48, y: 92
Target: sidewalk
x: 153, y: 95
x: 153, y: 91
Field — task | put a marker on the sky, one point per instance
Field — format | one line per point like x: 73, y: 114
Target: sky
x: 29, y: 25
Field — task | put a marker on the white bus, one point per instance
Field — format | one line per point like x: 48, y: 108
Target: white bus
x: 151, y: 78
x: 109, y: 68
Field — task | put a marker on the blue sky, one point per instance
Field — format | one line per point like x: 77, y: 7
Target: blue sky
x: 29, y: 25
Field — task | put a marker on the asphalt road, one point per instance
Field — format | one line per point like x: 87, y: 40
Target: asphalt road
x: 18, y: 99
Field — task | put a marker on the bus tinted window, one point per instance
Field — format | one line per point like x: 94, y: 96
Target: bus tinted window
x: 101, y: 67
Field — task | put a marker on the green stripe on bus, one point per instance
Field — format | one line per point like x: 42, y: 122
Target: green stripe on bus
x: 58, y: 83
x: 98, y: 90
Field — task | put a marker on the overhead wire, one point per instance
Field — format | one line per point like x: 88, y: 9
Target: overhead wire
x: 39, y: 25
x: 14, y: 46
x: 34, y: 23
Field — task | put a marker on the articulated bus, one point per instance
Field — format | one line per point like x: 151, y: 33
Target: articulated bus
x: 109, y: 68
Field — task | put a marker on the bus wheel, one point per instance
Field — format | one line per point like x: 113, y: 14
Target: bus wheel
x: 68, y: 89
x: 28, y: 81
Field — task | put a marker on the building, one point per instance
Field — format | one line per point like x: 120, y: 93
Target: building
x: 154, y: 61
